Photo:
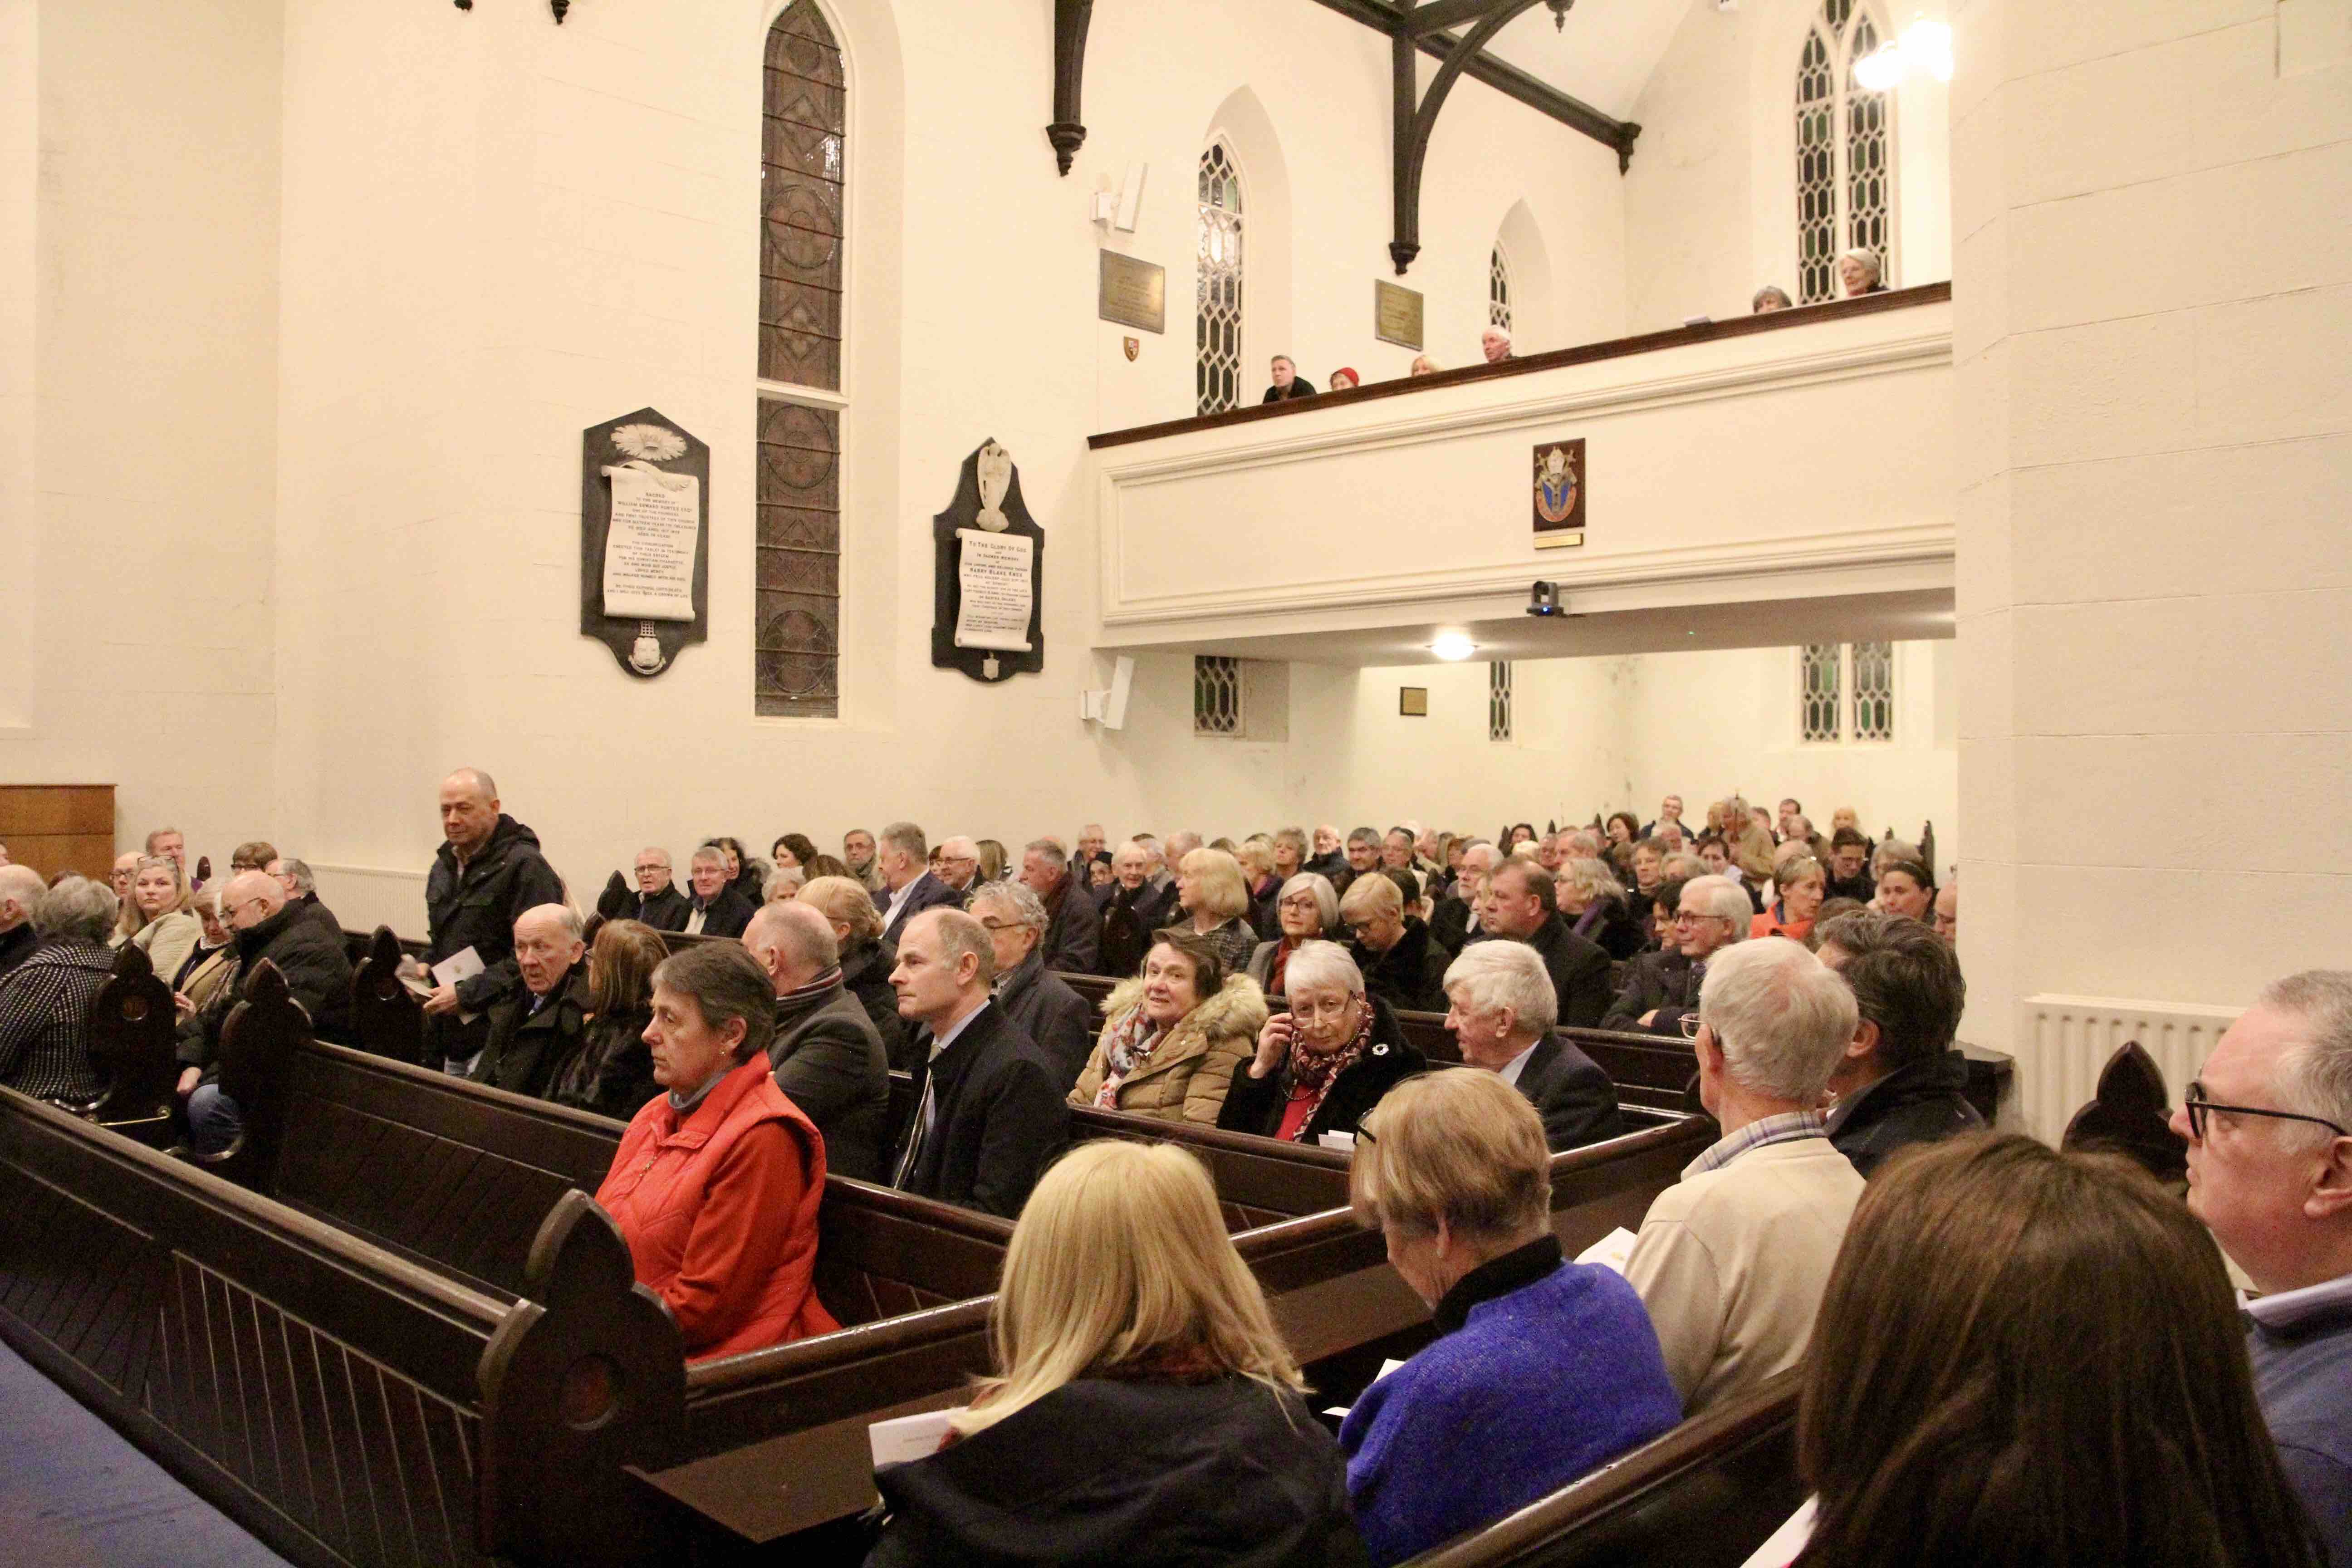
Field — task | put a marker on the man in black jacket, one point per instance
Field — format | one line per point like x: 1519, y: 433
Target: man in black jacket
x: 488, y: 872
x: 908, y: 886
x: 718, y: 907
x: 1287, y: 382
x: 989, y: 1117
x: 302, y: 893
x: 1500, y: 1007
x: 1072, y: 941
x: 1056, y: 1017
x: 538, y: 1027
x: 1454, y: 922
x: 1661, y: 989
x: 655, y: 900
x: 828, y: 1058
x: 1521, y: 906
x: 318, y: 977
x: 1901, y: 1082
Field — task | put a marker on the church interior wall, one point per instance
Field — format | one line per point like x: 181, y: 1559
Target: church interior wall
x: 138, y: 158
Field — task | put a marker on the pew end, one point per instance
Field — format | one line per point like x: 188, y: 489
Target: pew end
x: 258, y: 1044
x: 584, y: 1377
x: 2131, y: 1114
x: 386, y: 1018
x: 132, y: 1030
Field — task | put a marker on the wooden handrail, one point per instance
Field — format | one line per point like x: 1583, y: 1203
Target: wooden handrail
x: 1584, y: 354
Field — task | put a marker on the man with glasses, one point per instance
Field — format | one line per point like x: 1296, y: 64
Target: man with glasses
x: 1660, y: 993
x: 318, y: 976
x: 2269, y: 1128
x: 1056, y: 1017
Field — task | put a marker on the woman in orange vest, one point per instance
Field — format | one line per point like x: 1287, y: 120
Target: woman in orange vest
x: 717, y: 1183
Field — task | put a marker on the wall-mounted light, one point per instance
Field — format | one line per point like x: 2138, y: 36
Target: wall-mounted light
x: 1452, y: 646
x: 1925, y: 50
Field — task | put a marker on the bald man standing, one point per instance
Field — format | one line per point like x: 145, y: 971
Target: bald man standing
x: 538, y: 1029
x: 318, y: 976
x: 20, y: 890
x: 488, y: 871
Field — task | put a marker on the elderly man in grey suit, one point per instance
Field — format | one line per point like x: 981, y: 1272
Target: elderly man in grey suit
x: 1056, y: 1017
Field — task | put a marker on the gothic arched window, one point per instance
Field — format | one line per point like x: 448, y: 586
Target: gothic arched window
x: 1498, y: 288
x: 1845, y: 179
x: 1217, y: 377
x: 804, y: 181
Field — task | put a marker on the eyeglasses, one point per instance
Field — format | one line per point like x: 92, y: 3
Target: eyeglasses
x: 1684, y: 917
x: 1003, y: 925
x: 1690, y: 1026
x: 2193, y: 1101
x: 230, y: 912
x: 1304, y: 904
x: 1328, y: 1007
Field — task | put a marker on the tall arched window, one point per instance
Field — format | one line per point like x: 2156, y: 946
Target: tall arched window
x: 1844, y: 178
x: 1498, y: 288
x: 1217, y: 377
x: 804, y: 182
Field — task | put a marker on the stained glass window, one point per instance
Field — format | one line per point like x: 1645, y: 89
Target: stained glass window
x: 1818, y: 708
x: 796, y: 622
x: 1845, y: 177
x: 1873, y: 691
x: 1218, y: 343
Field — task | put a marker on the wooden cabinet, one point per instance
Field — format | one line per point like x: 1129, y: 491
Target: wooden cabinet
x: 59, y: 828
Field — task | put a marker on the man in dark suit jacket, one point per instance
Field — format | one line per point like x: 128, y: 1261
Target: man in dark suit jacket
x: 1502, y: 1011
x: 717, y: 908
x: 908, y: 886
x: 1520, y: 906
x: 828, y: 1058
x: 1454, y: 922
x: 1901, y: 1082
x: 1072, y: 941
x: 1052, y: 1015
x: 1661, y: 988
x: 989, y: 1115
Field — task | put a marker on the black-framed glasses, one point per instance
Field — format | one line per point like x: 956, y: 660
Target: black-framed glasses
x: 2193, y: 1100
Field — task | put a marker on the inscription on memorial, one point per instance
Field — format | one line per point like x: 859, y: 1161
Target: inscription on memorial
x: 987, y: 610
x: 1132, y: 293
x: 1396, y: 313
x: 645, y: 540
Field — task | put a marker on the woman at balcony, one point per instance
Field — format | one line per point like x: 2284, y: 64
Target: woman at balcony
x: 1770, y: 298
x: 1858, y: 271
x: 1345, y: 379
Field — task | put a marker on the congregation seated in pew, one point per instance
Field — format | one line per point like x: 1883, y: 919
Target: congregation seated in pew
x: 1144, y: 1409
x: 717, y: 1183
x: 1502, y: 1010
x: 20, y: 896
x: 866, y: 959
x: 1903, y: 1081
x: 611, y: 1072
x: 825, y: 1055
x: 45, y: 1001
x: 1402, y: 965
x: 1173, y: 1035
x: 488, y: 872
x: 1544, y: 1370
x: 318, y: 976
x: 1323, y: 1063
x: 1306, y: 910
x: 541, y: 1026
x: 1026, y: 986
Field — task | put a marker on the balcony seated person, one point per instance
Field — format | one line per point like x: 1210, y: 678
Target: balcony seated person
x: 1319, y: 1066
x: 1501, y: 1009
x: 1543, y: 1371
x: 1174, y: 1034
x: 717, y: 1183
x: 1287, y: 382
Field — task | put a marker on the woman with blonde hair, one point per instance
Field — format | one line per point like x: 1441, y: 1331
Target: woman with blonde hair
x: 160, y: 915
x: 1145, y: 1409
x: 1175, y: 1033
x: 1209, y: 889
x: 1801, y: 884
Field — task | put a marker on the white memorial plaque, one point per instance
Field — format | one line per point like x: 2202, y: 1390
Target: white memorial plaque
x: 993, y: 576
x: 650, y: 551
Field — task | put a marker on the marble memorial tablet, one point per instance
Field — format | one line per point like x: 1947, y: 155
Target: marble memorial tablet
x: 993, y: 579
x: 1132, y: 293
x: 649, y: 548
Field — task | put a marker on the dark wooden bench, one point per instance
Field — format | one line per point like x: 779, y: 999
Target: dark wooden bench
x: 2130, y: 1114
x: 1706, y: 1495
x: 130, y: 1038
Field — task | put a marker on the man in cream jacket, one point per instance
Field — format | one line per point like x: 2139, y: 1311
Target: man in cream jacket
x: 1731, y: 1260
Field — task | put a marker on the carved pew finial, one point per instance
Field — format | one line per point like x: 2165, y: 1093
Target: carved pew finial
x: 2131, y: 1115
x: 586, y: 1376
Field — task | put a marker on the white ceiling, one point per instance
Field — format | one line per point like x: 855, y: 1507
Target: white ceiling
x: 1606, y: 53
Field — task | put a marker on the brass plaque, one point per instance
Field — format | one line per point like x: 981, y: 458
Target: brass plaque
x: 1132, y: 293
x: 1396, y: 313
x: 1413, y: 702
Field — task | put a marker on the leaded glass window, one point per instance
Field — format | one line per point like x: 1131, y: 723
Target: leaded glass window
x: 1498, y: 288
x: 1819, y: 667
x: 1218, y: 333
x: 1873, y: 691
x: 1845, y: 179
x: 804, y: 180
x: 1499, y: 700
x: 1216, y: 695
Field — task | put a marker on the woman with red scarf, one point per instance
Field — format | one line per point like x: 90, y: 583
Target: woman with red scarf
x: 1324, y: 1063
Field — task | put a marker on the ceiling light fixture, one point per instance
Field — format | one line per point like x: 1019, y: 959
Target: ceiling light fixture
x: 1452, y: 646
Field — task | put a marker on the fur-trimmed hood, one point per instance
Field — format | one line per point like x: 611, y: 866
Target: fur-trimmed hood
x: 1239, y: 1008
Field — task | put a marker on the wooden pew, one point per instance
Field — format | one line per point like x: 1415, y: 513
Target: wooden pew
x: 387, y: 1019
x: 1706, y: 1495
x: 2130, y: 1114
x: 341, y: 1402
x: 130, y: 1043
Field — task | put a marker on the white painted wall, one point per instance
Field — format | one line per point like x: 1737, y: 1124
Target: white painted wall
x: 2156, y: 461
x: 1710, y: 201
x: 138, y: 331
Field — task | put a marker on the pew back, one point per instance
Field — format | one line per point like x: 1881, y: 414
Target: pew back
x: 130, y: 1042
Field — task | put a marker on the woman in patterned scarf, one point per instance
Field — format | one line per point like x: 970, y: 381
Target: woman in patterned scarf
x: 1175, y: 1034
x: 1322, y: 1065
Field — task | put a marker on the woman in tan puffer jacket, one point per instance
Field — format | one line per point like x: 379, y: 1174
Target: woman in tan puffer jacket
x: 1174, y: 1034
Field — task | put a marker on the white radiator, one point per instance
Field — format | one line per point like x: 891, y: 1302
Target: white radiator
x: 2063, y: 1041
